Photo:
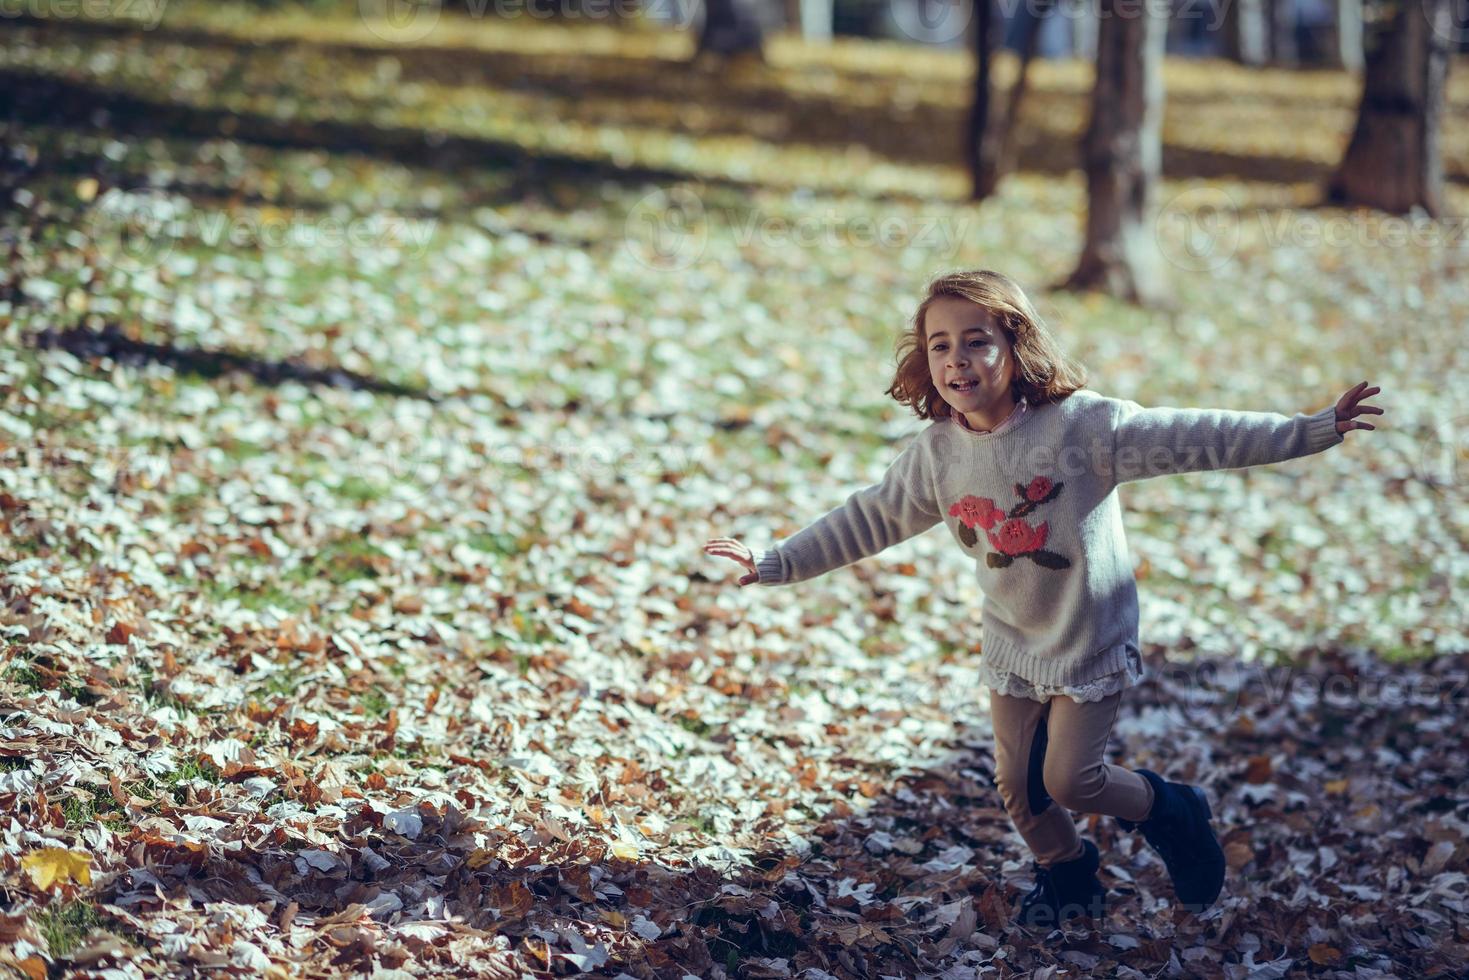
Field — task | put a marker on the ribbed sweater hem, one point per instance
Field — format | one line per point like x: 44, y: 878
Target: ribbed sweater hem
x: 1321, y: 430
x: 770, y: 568
x: 1000, y: 653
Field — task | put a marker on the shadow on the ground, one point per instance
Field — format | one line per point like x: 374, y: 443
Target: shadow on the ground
x: 111, y: 342
x: 598, y: 91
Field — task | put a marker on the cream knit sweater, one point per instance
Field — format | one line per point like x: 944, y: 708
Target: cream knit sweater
x: 1035, y: 505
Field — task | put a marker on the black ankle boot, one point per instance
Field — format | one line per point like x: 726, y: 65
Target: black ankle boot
x: 1178, y: 829
x: 1065, y: 890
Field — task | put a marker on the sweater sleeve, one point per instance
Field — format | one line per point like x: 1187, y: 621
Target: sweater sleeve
x: 1150, y: 442
x: 896, y: 508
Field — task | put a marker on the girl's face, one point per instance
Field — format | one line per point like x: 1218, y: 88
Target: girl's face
x: 966, y: 345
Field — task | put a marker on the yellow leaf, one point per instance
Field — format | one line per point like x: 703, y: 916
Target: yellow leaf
x: 1336, y: 785
x: 626, y: 851
x: 87, y: 188
x: 478, y: 858
x: 52, y: 864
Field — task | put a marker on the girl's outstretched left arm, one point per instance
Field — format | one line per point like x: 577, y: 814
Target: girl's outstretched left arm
x: 1149, y: 442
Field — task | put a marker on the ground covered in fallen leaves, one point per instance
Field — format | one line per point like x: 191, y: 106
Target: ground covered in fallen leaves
x: 361, y: 432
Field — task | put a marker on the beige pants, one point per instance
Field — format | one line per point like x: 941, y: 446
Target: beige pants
x: 1050, y: 758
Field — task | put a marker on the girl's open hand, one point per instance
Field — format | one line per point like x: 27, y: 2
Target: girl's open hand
x: 732, y: 549
x: 1348, y: 407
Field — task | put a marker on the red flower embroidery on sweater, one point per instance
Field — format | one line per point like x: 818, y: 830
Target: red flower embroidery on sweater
x: 1016, y: 537
x: 977, y: 510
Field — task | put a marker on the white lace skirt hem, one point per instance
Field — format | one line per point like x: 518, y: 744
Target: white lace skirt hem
x: 1006, y: 683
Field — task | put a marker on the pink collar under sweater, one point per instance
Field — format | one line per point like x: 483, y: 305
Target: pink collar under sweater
x: 1010, y: 419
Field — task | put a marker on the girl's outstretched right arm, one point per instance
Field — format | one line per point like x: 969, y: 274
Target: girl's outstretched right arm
x: 876, y: 517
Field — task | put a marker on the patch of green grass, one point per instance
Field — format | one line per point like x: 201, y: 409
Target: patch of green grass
x: 375, y: 703
x: 360, y: 490
x: 274, y: 595
x: 97, y: 807
x: 270, y: 589
x: 190, y: 770
x: 500, y: 543
x: 155, y: 696
x: 65, y: 925
x: 696, y: 725
x: 239, y: 450
x: 27, y: 546
x: 283, y: 683
x: 398, y: 751
x: 80, y: 694
x: 530, y: 630
x: 41, y: 415
x: 18, y: 670
x: 187, y: 503
x: 261, y: 597
x: 338, y: 562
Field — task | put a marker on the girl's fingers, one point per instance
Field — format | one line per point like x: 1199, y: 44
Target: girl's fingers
x: 729, y: 551
x: 747, y: 561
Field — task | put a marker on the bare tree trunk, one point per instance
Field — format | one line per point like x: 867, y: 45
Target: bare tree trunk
x: 732, y: 27
x: 1123, y: 151
x: 1083, y: 30
x: 1344, y: 36
x: 1246, y: 38
x: 1283, y: 32
x: 997, y: 152
x: 985, y: 38
x: 816, y: 19
x: 1392, y: 161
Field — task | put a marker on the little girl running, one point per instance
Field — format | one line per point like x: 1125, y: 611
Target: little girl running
x: 1022, y: 463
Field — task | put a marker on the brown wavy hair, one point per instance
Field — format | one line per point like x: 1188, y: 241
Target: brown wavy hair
x: 1043, y: 373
